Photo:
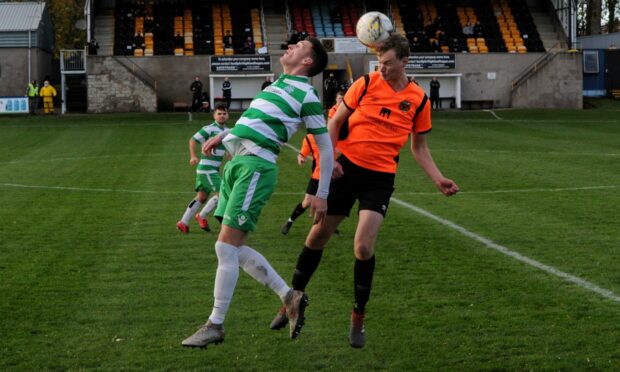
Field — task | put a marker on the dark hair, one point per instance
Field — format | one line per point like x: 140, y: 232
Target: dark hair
x: 319, y: 57
x: 341, y: 92
x: 221, y: 107
x: 397, y: 42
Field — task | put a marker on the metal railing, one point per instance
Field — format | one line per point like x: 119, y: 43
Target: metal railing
x: 73, y: 60
x: 535, y: 67
x: 137, y: 71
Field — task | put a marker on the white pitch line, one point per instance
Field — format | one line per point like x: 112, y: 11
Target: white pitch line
x: 284, y: 193
x: 529, y: 152
x: 66, y: 188
x: 69, y: 188
x: 515, y: 191
x: 503, y: 250
x: 89, y: 157
x: 494, y: 114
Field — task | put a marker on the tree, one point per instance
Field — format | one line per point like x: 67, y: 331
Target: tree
x: 593, y: 17
x: 611, y: 15
x: 64, y: 14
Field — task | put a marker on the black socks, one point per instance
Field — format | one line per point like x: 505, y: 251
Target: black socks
x: 307, y: 263
x: 362, y: 276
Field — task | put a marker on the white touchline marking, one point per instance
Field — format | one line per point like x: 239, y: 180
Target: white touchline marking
x: 494, y: 114
x: 530, y: 152
x: 501, y: 249
x: 88, y: 157
x: 284, y: 193
x: 69, y: 188
x: 560, y: 189
x: 16, y: 185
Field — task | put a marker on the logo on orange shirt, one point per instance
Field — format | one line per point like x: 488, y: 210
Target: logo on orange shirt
x: 385, y: 112
x: 404, y: 106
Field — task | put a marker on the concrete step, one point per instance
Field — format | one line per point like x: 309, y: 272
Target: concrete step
x: 544, y: 28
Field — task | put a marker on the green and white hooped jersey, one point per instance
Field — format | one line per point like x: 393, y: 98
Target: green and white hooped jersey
x: 210, y: 164
x: 274, y: 116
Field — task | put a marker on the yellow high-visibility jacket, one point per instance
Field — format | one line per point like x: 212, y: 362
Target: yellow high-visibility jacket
x: 48, y: 91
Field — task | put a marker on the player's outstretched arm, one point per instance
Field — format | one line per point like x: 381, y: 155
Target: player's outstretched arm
x: 193, y: 159
x: 333, y: 126
x: 318, y: 206
x: 422, y: 154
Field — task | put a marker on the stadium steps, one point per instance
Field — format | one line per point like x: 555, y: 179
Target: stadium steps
x: 104, y: 33
x: 275, y: 26
x: 615, y: 93
x: 548, y: 35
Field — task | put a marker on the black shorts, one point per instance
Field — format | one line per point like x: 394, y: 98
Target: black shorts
x: 373, y: 189
x: 313, y: 186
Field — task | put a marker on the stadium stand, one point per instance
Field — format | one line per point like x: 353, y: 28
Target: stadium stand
x: 185, y: 28
x: 195, y: 27
x: 474, y: 26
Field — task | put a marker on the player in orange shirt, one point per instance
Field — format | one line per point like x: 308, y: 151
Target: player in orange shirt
x: 308, y: 147
x: 383, y: 109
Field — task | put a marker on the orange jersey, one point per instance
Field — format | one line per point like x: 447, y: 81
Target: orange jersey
x: 382, y: 121
x: 309, y: 147
x: 332, y: 111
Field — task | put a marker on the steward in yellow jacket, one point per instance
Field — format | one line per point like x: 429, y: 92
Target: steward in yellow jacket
x: 48, y: 93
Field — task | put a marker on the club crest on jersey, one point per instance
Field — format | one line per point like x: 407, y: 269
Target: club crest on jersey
x: 241, y: 219
x: 404, y: 106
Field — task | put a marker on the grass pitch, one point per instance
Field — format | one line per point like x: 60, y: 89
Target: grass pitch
x: 94, y: 275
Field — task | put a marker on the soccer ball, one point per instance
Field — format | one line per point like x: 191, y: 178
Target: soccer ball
x: 373, y: 28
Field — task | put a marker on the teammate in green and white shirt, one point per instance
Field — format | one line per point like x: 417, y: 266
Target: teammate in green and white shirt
x: 207, y: 172
x: 250, y: 177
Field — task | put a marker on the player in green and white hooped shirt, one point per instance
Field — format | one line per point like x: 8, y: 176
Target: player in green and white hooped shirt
x: 250, y: 177
x: 207, y: 172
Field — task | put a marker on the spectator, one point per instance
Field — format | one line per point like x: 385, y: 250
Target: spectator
x: 228, y: 40
x: 416, y: 46
x: 227, y: 92
x: 478, y: 30
x: 248, y: 46
x: 294, y: 39
x: 266, y: 83
x: 138, y: 41
x: 178, y: 41
x: 206, y: 105
x: 455, y: 45
x: 33, y: 96
x: 93, y: 45
x: 330, y: 87
x: 196, y: 89
x: 48, y: 93
x: 435, y: 102
x: 435, y: 47
x: 468, y: 29
x: 441, y: 38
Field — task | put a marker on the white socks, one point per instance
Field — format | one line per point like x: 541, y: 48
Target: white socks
x: 259, y: 268
x: 225, y: 280
x: 191, y: 210
x: 230, y: 258
x: 211, y: 204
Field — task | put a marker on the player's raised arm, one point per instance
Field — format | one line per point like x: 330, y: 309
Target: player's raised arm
x: 212, y: 143
x: 193, y: 158
x: 422, y: 154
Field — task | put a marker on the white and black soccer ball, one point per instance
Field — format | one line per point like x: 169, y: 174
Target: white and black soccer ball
x: 373, y: 28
